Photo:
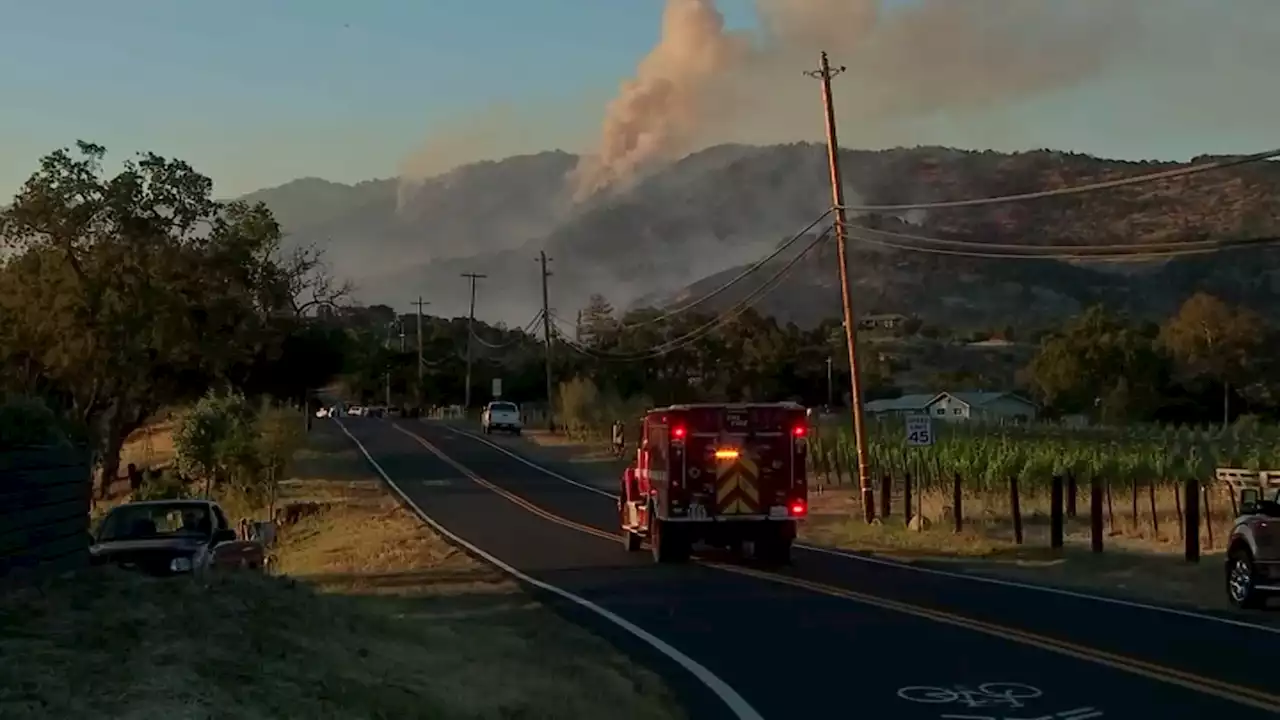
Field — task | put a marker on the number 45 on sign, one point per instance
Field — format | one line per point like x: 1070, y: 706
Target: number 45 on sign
x: 919, y: 430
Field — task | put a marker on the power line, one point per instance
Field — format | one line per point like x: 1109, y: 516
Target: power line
x: 1082, y: 247
x: 740, y: 277
x: 527, y: 329
x: 1139, y: 256
x: 705, y: 329
x: 1074, y: 190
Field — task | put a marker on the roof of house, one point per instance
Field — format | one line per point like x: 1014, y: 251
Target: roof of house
x: 978, y: 398
x: 904, y: 403
x: 919, y: 402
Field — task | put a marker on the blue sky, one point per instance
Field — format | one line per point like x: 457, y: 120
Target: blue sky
x: 255, y: 93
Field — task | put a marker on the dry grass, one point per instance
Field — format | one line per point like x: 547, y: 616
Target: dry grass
x: 379, y: 618
x: 149, y: 447
x: 1139, y: 560
x: 1143, y: 559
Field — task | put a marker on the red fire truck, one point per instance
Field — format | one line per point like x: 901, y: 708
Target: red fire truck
x: 724, y: 475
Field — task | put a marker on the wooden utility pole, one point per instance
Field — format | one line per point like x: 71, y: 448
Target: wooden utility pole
x: 471, y: 320
x: 546, y: 336
x: 825, y: 73
x: 387, y: 346
x: 421, y: 360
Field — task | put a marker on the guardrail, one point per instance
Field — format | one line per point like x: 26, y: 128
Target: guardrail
x: 45, y: 496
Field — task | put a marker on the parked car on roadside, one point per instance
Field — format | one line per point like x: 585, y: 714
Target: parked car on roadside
x: 172, y: 537
x: 1253, y: 550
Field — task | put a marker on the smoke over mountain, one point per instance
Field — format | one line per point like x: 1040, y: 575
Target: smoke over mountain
x: 702, y: 82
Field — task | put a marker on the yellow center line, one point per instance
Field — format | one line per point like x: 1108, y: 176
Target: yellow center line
x: 1209, y: 686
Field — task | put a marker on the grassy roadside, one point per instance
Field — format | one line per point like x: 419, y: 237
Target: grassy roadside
x: 1148, y: 566
x: 377, y: 618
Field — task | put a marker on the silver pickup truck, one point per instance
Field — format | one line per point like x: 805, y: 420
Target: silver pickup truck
x: 1253, y: 551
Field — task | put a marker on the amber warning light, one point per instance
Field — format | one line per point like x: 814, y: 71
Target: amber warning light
x: 726, y: 454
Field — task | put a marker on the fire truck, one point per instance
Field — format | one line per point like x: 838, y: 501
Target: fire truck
x: 725, y: 475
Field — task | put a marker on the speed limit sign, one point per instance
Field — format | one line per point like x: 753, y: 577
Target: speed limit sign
x: 919, y: 430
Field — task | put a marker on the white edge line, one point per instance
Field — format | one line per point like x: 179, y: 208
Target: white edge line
x: 916, y: 568
x: 737, y: 704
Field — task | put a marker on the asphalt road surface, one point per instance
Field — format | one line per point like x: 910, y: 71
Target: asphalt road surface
x: 830, y: 636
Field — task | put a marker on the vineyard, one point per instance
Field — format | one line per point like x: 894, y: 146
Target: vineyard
x: 988, y: 456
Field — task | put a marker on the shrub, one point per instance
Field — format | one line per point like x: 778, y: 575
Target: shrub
x: 27, y: 421
x: 215, y: 441
x: 168, y: 485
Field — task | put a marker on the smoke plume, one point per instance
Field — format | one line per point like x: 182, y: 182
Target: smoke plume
x: 660, y: 111
x: 702, y: 84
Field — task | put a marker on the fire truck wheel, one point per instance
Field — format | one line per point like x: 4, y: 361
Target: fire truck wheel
x: 667, y: 546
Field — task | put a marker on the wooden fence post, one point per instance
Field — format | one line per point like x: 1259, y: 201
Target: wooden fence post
x: 1191, y: 520
x: 1015, y: 506
x: 1095, y: 513
x: 957, y: 502
x: 1055, y: 513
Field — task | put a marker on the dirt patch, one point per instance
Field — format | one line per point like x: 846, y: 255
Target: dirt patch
x: 377, y: 617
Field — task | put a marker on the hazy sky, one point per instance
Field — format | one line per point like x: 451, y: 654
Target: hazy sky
x: 257, y: 92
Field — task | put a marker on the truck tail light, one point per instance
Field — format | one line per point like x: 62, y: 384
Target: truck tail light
x: 678, y: 432
x: 797, y: 508
x: 799, y: 431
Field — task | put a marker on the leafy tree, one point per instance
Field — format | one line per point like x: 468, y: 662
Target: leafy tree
x: 597, y: 321
x: 1209, y: 339
x: 149, y: 290
x: 1100, y: 364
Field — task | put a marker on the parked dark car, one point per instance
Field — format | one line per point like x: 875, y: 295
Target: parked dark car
x: 171, y: 537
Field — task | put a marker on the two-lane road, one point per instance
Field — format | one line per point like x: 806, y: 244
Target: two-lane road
x: 829, y: 636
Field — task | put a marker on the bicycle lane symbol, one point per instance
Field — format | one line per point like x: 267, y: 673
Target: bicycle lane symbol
x: 1009, y: 697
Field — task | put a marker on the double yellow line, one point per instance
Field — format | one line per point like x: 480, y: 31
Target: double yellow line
x: 1208, y: 686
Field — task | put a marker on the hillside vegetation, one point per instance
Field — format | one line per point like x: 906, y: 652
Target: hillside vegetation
x: 729, y: 205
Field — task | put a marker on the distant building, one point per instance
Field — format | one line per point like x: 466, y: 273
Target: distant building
x: 890, y: 321
x: 958, y: 406
x: 905, y: 405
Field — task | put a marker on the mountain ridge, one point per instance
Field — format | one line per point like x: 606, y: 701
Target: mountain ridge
x: 727, y: 206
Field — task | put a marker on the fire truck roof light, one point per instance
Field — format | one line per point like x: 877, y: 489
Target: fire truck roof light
x: 726, y: 454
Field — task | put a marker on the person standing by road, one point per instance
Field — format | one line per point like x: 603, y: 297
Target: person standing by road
x: 619, y: 440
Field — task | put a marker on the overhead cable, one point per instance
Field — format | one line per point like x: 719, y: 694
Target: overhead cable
x: 739, y: 278
x: 1074, y: 190
x: 706, y: 328
x: 518, y: 338
x: 1139, y: 256
x: 1083, y: 247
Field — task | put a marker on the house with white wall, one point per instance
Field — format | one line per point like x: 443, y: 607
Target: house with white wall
x: 958, y: 407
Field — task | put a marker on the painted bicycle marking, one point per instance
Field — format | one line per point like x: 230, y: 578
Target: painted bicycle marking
x: 1011, y: 695
x: 992, y: 694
